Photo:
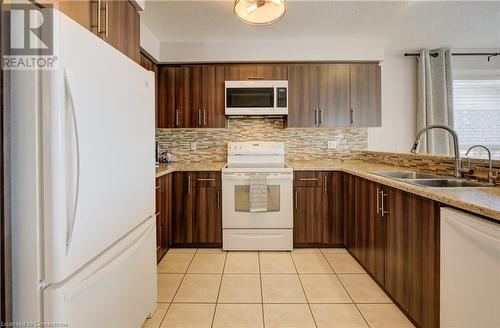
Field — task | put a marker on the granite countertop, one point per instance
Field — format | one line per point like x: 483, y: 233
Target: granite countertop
x: 163, y: 168
x: 484, y: 201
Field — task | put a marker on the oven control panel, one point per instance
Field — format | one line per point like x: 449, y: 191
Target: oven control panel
x: 281, y: 98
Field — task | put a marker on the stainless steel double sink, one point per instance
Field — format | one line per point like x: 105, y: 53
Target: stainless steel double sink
x: 428, y: 179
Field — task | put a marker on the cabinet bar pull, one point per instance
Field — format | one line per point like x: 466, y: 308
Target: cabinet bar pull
x: 296, y: 199
x: 98, y: 16
x: 352, y: 116
x: 157, y: 213
x: 106, y: 18
x: 383, y: 211
x: 189, y: 184
x: 218, y: 198
x: 324, y: 184
x: 157, y: 187
x: 176, y: 117
x: 316, y: 116
x: 204, y: 118
x: 308, y: 179
x: 320, y: 116
x: 205, y: 179
x: 378, y: 200
x: 199, y: 117
x: 255, y: 78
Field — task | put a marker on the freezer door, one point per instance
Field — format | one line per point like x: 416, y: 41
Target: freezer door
x: 116, y: 290
x: 98, y: 149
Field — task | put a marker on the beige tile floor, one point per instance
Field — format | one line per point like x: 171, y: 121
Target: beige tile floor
x: 324, y: 288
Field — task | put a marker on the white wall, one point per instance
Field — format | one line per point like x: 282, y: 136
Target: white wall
x: 149, y: 42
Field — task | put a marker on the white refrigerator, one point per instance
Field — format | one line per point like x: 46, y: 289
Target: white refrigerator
x: 83, y: 201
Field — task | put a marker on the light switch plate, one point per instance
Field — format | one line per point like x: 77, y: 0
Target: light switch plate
x: 193, y: 145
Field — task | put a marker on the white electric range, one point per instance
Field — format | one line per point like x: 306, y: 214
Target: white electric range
x: 269, y: 229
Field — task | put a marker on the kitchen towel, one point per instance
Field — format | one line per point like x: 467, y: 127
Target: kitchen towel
x: 258, y: 193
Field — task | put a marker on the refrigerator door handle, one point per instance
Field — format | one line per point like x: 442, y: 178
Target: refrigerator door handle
x: 71, y: 210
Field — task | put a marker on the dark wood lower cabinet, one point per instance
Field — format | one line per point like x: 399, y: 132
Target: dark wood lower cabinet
x: 396, y: 239
x: 196, y: 209
x: 333, y: 224
x: 163, y: 206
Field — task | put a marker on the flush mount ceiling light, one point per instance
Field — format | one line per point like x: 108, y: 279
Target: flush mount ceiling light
x: 259, y: 12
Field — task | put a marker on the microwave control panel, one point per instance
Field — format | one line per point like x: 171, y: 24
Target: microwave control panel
x: 281, y: 97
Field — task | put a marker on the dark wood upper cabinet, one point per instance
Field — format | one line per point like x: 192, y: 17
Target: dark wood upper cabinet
x: 121, y: 27
x: 116, y: 22
x: 168, y: 116
x: 334, y: 93
x: 302, y: 95
x: 365, y: 95
x: 208, y: 97
x: 256, y: 72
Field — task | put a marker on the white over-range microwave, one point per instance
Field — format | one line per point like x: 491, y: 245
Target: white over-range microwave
x: 256, y: 97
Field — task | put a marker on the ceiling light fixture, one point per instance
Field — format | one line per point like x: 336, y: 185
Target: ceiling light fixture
x: 259, y: 12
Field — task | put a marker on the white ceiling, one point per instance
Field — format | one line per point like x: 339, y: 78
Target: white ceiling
x: 410, y: 24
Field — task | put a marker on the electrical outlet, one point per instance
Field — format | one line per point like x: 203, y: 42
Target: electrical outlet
x: 193, y: 145
x: 332, y: 144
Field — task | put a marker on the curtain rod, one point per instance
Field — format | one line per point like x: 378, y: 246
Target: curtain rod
x: 435, y: 54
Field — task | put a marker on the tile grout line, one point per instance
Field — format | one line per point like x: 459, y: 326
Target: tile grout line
x: 304, y: 291
x: 177, y: 289
x: 343, y: 286
x: 261, y: 291
x: 218, y: 291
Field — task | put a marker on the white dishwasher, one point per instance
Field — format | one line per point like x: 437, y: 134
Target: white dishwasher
x: 470, y: 270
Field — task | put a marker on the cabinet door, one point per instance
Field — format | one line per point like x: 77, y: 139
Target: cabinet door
x: 397, y: 246
x: 423, y: 215
x: 182, y: 208
x: 333, y: 225
x: 369, y: 236
x: 308, y: 216
x: 256, y: 72
x: 365, y: 95
x: 196, y: 96
x: 213, y: 93
x: 302, y: 95
x: 167, y: 210
x: 81, y: 11
x: 168, y: 112
x: 120, y: 27
x: 161, y: 226
x: 184, y: 100
x: 348, y: 191
x: 334, y: 95
x: 207, y: 218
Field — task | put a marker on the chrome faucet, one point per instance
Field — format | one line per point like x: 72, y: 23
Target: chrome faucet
x: 458, y: 162
x: 491, y: 176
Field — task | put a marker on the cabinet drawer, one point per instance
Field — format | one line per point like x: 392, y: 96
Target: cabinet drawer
x: 308, y: 179
x: 206, y: 179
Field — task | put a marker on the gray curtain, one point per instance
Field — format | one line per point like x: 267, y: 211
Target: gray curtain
x: 435, y: 99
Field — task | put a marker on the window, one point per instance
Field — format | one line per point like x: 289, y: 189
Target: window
x: 476, y: 105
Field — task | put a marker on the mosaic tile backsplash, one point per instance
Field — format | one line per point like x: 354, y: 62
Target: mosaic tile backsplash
x: 300, y: 143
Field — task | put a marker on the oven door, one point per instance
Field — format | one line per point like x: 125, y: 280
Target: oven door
x: 236, y: 199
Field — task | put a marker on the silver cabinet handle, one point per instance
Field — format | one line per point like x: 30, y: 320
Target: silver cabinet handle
x: 324, y: 184
x: 308, y: 179
x: 204, y: 118
x: 320, y: 116
x: 157, y: 213
x: 296, y: 199
x: 189, y: 184
x: 199, y: 117
x: 98, y: 16
x: 316, y: 116
x: 382, y: 210
x: 352, y: 116
x: 176, y: 118
x: 205, y: 179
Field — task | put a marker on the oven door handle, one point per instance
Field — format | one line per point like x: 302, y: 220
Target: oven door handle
x: 247, y: 177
